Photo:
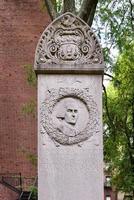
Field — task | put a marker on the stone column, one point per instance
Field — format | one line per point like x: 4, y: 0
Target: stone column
x: 69, y: 64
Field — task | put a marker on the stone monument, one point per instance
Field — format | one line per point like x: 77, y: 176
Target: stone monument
x: 69, y: 65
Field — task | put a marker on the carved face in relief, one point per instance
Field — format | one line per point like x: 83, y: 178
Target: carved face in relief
x: 69, y: 112
x: 69, y: 115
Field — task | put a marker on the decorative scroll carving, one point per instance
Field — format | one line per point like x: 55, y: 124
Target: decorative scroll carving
x: 67, y: 40
x: 69, y: 115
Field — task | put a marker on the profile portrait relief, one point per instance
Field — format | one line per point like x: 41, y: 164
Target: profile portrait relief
x: 68, y: 116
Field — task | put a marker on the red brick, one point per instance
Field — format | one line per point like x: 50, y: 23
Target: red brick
x: 21, y: 24
x: 7, y: 194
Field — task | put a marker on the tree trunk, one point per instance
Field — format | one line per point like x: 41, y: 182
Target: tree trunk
x: 69, y: 6
x: 51, y: 9
x: 87, y: 10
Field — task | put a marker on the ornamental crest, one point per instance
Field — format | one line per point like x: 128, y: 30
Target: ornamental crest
x: 69, y: 116
x: 68, y: 40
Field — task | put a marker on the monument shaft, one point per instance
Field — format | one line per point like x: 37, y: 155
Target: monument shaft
x: 70, y: 65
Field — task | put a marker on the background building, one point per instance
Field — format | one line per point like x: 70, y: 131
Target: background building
x: 21, y: 24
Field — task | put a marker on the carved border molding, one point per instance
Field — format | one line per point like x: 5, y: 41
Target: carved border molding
x: 68, y: 40
x: 52, y: 98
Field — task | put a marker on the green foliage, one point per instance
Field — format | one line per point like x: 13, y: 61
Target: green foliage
x: 30, y: 156
x: 59, y: 4
x: 31, y: 76
x: 114, y: 25
x: 29, y: 108
x: 42, y: 6
x: 119, y: 121
x: 34, y: 191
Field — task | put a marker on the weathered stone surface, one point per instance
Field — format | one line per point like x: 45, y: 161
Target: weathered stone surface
x: 69, y: 43
x: 70, y: 171
x: 70, y: 147
x: 69, y: 115
x: 71, y: 174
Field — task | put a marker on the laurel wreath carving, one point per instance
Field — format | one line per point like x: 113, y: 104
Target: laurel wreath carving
x: 52, y: 98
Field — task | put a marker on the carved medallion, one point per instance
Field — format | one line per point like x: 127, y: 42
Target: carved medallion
x: 69, y: 116
x: 68, y: 39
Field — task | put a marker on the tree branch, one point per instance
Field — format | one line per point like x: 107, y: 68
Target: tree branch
x: 107, y: 110
x: 112, y: 77
x: 82, y: 11
x: 51, y: 9
x: 69, y: 6
x: 116, y: 81
x: 87, y: 10
x: 133, y: 121
x: 91, y: 16
x: 128, y: 137
x: 131, y: 13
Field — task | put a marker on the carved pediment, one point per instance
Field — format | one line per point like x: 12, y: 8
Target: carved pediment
x: 68, y: 40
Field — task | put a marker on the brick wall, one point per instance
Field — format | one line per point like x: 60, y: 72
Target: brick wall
x: 7, y: 194
x: 21, y: 24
